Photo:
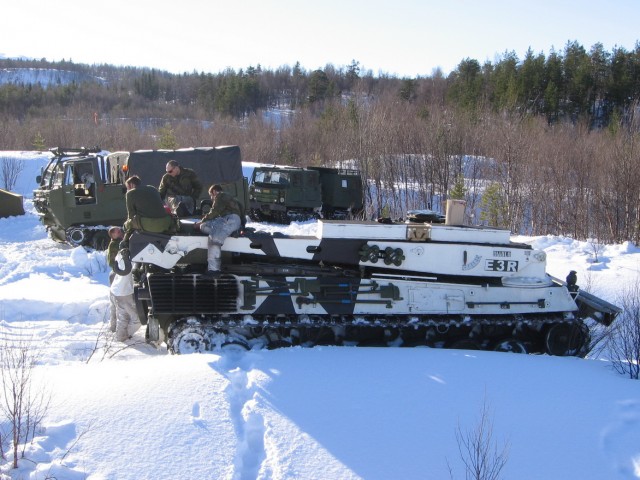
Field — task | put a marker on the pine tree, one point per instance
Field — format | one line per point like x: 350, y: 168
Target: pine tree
x: 167, y: 140
x: 408, y: 89
x: 353, y: 73
x: 458, y: 191
x: 318, y: 86
x: 39, y: 143
x: 494, y: 210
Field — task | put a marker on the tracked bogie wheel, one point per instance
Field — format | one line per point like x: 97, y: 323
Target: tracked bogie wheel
x: 234, y: 346
x: 189, y: 339
x: 76, y: 236
x: 512, y: 345
x: 566, y: 339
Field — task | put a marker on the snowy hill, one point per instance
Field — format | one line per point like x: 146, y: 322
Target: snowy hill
x: 44, y: 77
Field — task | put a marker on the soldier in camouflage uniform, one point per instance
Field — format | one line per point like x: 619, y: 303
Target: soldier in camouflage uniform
x: 181, y: 187
x: 145, y: 209
x: 222, y: 220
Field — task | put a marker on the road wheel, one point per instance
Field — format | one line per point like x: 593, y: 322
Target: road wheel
x: 565, y: 339
x: 510, y: 345
x: 76, y: 236
x: 234, y: 346
x: 190, y: 339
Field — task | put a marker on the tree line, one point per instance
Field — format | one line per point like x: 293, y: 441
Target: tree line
x: 542, y: 145
x: 576, y: 85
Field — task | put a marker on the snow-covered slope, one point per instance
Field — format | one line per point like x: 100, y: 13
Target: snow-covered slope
x: 44, y: 76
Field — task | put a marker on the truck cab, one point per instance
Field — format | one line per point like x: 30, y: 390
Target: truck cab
x: 281, y: 194
x: 76, y: 199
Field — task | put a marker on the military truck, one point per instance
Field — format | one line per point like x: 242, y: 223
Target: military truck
x: 282, y: 194
x: 82, y: 190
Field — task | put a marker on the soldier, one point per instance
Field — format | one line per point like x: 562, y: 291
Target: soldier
x: 181, y: 187
x: 116, y: 234
x: 222, y: 220
x: 121, y: 293
x: 145, y: 209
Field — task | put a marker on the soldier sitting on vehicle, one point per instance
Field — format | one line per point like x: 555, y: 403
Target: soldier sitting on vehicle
x: 222, y: 220
x: 181, y: 187
x: 145, y: 209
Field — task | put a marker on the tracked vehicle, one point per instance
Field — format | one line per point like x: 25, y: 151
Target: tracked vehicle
x: 360, y: 283
x: 281, y: 194
x: 81, y: 191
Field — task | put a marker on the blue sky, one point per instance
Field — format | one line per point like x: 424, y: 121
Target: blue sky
x: 401, y: 37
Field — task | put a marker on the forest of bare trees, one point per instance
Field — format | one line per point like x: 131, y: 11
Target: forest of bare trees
x: 545, y: 145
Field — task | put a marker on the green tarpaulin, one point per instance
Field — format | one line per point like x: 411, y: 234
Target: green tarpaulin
x: 10, y: 204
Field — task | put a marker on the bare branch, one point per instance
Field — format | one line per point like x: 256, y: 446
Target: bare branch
x: 623, y: 342
x: 482, y: 458
x: 22, y: 405
x: 10, y: 169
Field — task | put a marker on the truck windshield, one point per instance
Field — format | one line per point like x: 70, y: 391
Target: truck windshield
x: 58, y: 179
x: 47, y: 175
x: 270, y: 176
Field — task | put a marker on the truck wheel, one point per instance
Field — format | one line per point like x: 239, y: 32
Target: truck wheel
x: 76, y: 236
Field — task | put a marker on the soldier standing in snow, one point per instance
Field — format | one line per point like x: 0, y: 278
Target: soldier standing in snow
x: 127, y: 320
x: 116, y: 234
x: 181, y: 187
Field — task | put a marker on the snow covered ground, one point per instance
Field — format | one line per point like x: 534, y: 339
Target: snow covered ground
x: 133, y: 412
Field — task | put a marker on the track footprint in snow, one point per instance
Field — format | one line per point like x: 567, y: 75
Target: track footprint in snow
x: 46, y: 452
x: 196, y: 419
x: 621, y: 438
x: 248, y: 422
x: 251, y: 452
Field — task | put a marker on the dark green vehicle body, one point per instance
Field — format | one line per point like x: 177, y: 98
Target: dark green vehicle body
x: 221, y: 165
x: 342, y: 196
x: 281, y: 194
x: 79, y: 216
x: 70, y: 212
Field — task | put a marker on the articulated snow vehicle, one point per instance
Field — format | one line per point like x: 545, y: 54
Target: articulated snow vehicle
x: 81, y: 191
x: 360, y: 283
x: 282, y: 194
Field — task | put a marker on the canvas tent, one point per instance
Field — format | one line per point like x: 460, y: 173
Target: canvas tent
x: 10, y: 204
